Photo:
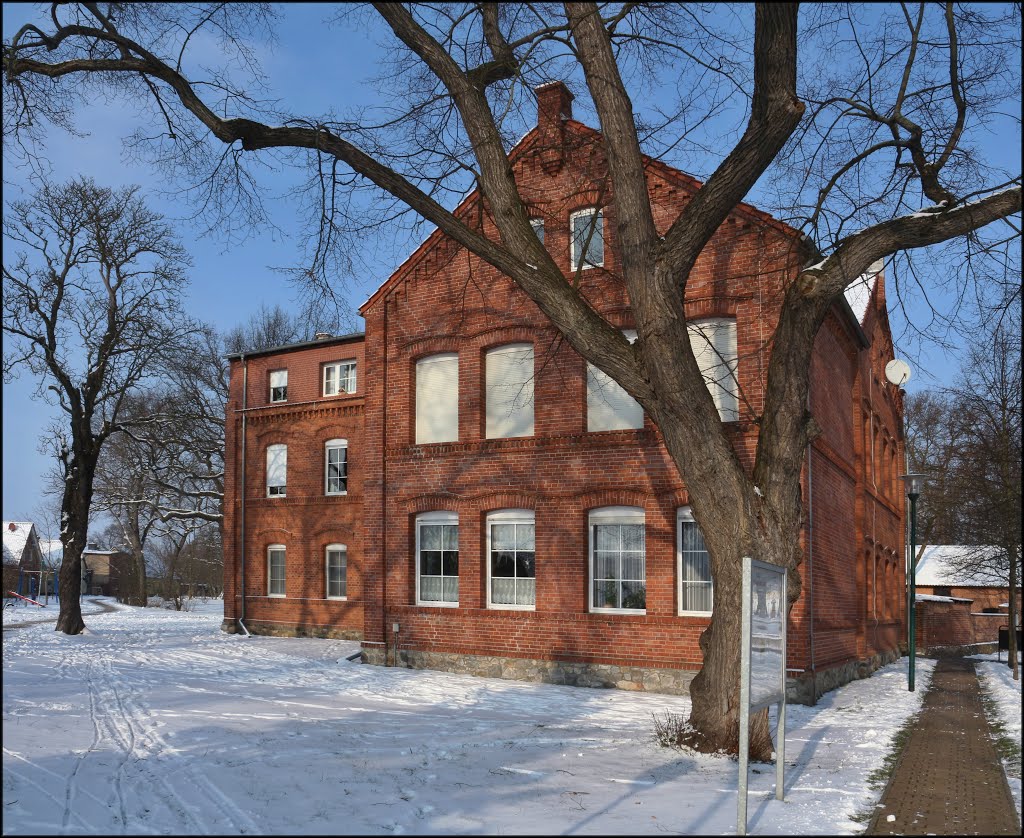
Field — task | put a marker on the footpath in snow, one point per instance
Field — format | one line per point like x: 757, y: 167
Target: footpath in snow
x: 155, y: 722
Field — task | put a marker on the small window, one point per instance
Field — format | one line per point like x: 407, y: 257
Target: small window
x: 339, y: 378
x: 714, y: 345
x: 538, y: 228
x: 337, y: 571
x: 609, y: 407
x: 509, y: 396
x: 587, y: 238
x: 277, y: 470
x: 275, y: 570
x: 437, y: 398
x: 437, y: 559
x: 511, y: 563
x: 618, y: 564
x: 336, y: 466
x: 695, y: 586
x: 279, y: 385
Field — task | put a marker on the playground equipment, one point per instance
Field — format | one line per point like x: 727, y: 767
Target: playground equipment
x: 19, y: 596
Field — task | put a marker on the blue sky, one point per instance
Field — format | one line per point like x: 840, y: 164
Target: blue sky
x: 316, y: 68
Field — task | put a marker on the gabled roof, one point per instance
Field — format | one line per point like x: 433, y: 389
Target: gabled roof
x: 271, y: 350
x: 938, y: 566
x: 16, y: 536
x: 663, y: 170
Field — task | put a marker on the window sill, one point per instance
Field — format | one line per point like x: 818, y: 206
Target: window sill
x: 335, y: 494
x: 705, y: 614
x: 277, y: 596
x: 633, y: 611
x: 435, y: 604
x: 491, y: 607
x: 275, y: 497
x: 337, y: 598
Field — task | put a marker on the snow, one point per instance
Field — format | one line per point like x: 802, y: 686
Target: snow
x: 937, y: 598
x: 997, y: 682
x: 935, y: 568
x: 858, y: 295
x: 155, y: 721
x: 15, y: 540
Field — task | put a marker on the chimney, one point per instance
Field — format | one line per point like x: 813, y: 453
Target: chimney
x: 554, y: 103
x: 554, y: 106
x: 322, y: 336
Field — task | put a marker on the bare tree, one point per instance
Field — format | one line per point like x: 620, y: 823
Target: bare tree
x: 987, y: 414
x: 884, y: 147
x: 91, y: 304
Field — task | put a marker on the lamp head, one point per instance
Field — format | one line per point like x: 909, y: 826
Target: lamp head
x: 915, y: 483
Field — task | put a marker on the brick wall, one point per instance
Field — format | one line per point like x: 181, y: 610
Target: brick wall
x: 306, y: 520
x: 979, y: 627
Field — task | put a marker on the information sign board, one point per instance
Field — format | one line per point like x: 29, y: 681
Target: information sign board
x: 762, y: 666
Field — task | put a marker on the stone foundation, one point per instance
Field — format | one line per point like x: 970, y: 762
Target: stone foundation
x: 280, y: 630
x: 959, y: 651
x: 807, y: 687
x: 601, y: 676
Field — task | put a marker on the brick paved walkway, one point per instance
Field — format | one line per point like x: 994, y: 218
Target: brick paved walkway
x: 948, y: 780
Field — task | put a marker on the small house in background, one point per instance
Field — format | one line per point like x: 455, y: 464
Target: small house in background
x: 103, y: 570
x: 957, y: 606
x: 22, y: 557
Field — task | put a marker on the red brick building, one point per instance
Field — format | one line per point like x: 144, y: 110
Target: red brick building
x: 956, y: 607
x: 520, y: 516
x: 293, y: 535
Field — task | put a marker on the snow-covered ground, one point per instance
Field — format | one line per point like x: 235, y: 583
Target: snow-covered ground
x: 26, y: 612
x: 156, y: 722
x: 997, y: 682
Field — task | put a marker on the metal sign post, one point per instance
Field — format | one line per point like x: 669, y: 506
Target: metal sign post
x: 762, y: 667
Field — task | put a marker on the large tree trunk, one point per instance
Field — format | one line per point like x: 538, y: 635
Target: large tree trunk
x: 74, y: 531
x: 1014, y: 557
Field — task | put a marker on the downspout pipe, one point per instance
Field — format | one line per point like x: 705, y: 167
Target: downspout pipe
x: 241, y: 512
x: 810, y: 551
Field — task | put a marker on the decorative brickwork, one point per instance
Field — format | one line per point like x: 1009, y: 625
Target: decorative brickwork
x: 445, y: 300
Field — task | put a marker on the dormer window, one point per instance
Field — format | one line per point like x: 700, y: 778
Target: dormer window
x: 587, y: 238
x: 279, y: 386
x: 339, y: 377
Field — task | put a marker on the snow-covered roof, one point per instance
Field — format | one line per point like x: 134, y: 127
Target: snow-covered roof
x: 16, y: 535
x: 937, y: 598
x: 858, y: 292
x: 938, y: 567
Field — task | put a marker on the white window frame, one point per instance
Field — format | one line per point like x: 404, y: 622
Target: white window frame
x: 335, y: 548
x: 433, y: 518
x: 270, y: 381
x: 336, y: 367
x: 725, y: 390
x: 420, y: 364
x: 538, y: 225
x: 334, y: 444
x: 613, y: 515
x: 283, y: 486
x: 510, y: 516
x: 272, y: 548
x: 597, y: 379
x: 525, y: 404
x: 588, y: 211
x: 684, y: 515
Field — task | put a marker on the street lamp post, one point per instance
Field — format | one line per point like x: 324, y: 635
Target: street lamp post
x: 915, y: 483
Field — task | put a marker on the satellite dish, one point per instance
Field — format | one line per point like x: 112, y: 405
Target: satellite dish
x: 897, y: 372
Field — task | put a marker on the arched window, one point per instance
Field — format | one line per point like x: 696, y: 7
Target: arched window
x: 337, y: 571
x: 336, y: 467
x: 618, y: 559
x: 696, y: 588
x: 714, y: 345
x: 275, y: 570
x: 511, y: 559
x: 509, y: 391
x: 437, y: 398
x: 609, y: 407
x: 277, y: 470
x: 437, y: 558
